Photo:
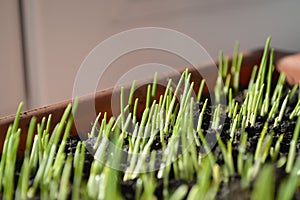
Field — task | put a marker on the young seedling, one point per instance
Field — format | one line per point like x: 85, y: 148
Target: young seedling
x: 220, y: 66
x: 235, y: 57
x: 292, y: 150
x: 78, y: 164
x: 263, y: 63
x: 259, y: 146
x: 22, y: 188
x: 216, y: 117
x: 293, y: 92
x: 130, y: 99
x: 94, y: 129
x: 10, y: 164
x: 242, y: 153
x: 236, y: 75
x: 180, y: 193
x: 227, y: 85
x: 282, y: 109
x: 225, y: 66
x: 200, y: 119
x: 266, y: 102
x: 288, y: 187
x: 296, y: 111
x: 230, y: 103
x: 278, y: 89
x: 264, y: 188
x: 200, y: 90
x: 255, y: 105
x: 252, y: 78
x: 227, y: 155
x: 9, y: 156
x: 64, y: 185
x: 218, y: 89
x: 274, y: 152
x: 149, y: 180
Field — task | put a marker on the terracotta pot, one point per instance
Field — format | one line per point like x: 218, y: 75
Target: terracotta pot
x: 102, y: 99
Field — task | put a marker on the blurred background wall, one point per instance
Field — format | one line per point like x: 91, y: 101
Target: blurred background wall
x: 12, y: 79
x: 43, y: 43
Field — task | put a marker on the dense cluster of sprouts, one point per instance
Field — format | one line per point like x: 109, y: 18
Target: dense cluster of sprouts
x: 47, y: 171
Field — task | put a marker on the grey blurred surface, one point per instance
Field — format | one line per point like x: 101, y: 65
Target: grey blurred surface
x: 60, y: 34
x: 12, y: 89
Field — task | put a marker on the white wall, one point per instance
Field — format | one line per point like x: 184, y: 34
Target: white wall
x: 60, y: 34
x: 12, y: 88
